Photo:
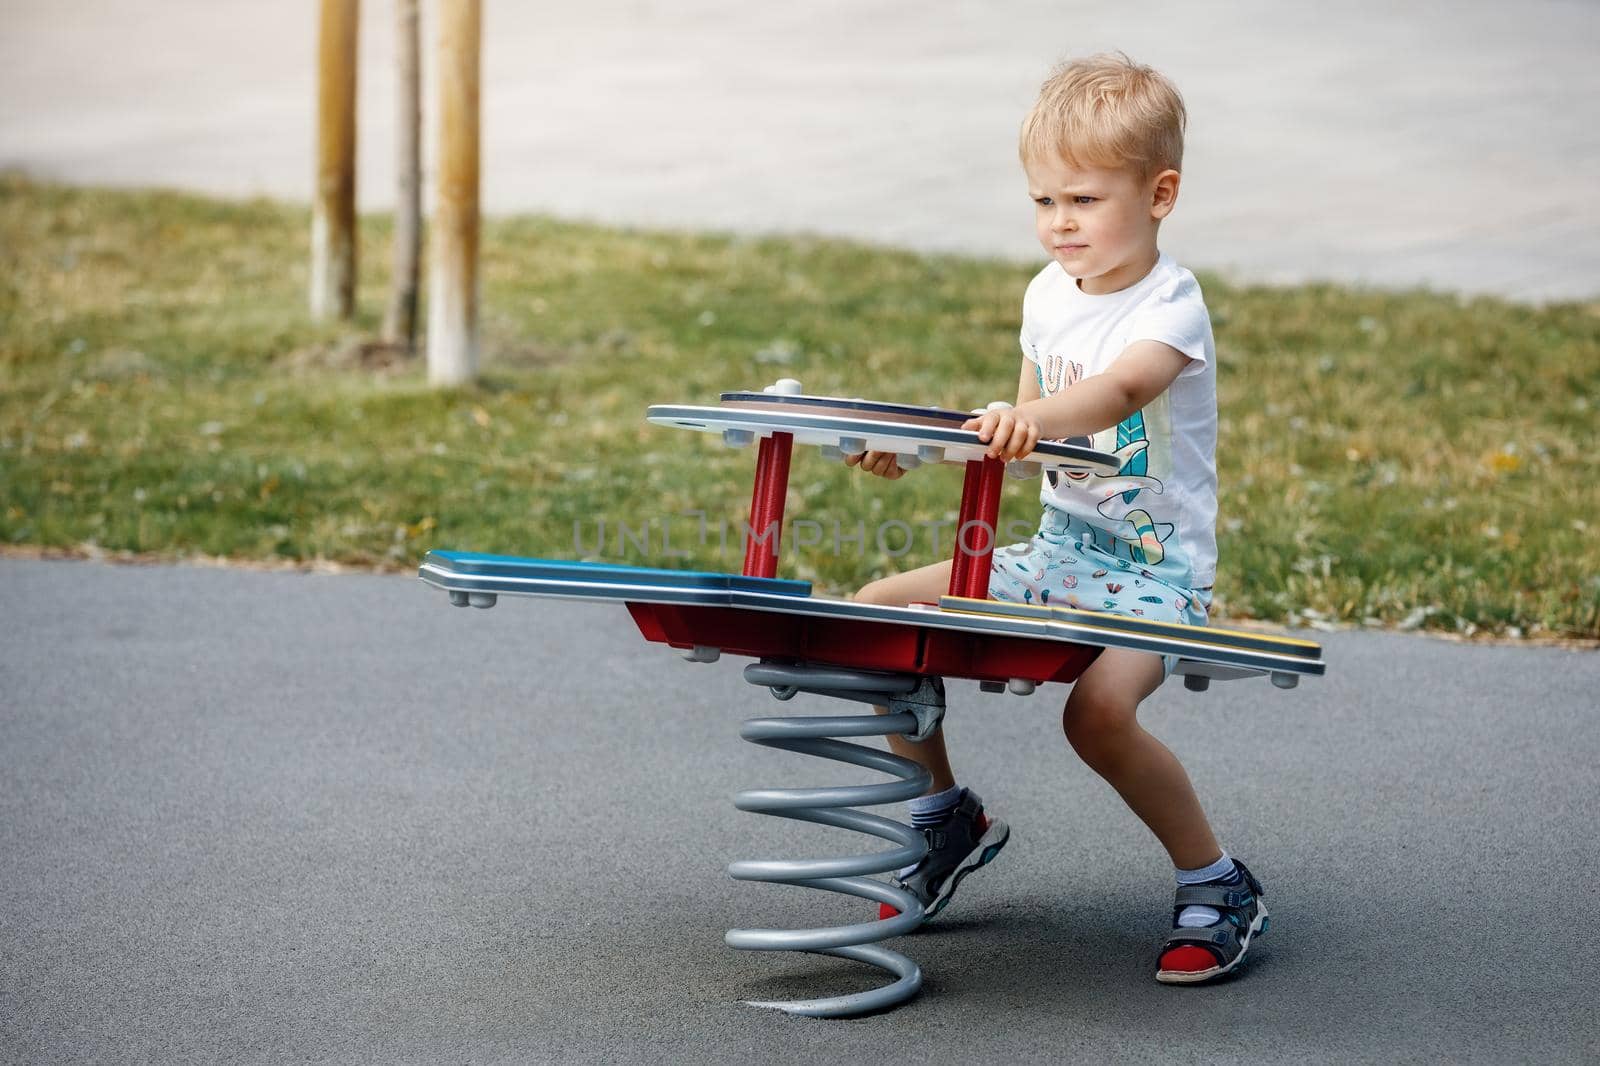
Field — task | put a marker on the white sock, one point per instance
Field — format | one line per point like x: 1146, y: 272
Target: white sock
x: 1197, y: 917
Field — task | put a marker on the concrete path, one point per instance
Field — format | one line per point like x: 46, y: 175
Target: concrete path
x: 271, y: 817
x: 1453, y: 145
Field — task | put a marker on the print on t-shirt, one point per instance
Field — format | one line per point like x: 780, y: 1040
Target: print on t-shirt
x: 1134, y: 533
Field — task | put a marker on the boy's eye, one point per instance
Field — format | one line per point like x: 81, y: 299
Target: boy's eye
x: 1043, y: 201
x: 1083, y: 199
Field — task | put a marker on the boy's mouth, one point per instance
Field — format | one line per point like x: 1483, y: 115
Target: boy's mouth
x: 1071, y: 247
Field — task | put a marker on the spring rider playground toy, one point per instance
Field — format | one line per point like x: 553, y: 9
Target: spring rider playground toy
x: 863, y: 653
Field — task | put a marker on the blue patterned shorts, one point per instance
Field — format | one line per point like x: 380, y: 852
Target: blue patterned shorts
x: 1064, y: 566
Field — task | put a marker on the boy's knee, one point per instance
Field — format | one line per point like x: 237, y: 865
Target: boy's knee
x: 874, y: 592
x: 1098, y: 724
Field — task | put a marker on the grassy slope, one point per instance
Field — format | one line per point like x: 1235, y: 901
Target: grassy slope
x: 1408, y: 458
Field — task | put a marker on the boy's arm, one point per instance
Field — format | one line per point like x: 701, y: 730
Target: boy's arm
x: 1028, y: 384
x: 1143, y: 371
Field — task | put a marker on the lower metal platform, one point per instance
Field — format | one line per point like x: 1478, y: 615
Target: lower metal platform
x: 982, y: 640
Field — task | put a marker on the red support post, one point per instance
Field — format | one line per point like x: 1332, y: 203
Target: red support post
x: 984, y: 532
x: 766, y: 505
x: 968, y: 508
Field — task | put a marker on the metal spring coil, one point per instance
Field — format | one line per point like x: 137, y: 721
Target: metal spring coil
x: 826, y: 806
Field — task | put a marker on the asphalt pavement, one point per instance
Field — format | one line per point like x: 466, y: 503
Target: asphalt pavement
x: 272, y: 816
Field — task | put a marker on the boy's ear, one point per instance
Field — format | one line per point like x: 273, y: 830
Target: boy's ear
x: 1164, y: 194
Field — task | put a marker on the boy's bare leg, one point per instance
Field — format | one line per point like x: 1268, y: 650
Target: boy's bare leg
x: 925, y: 584
x: 1102, y: 725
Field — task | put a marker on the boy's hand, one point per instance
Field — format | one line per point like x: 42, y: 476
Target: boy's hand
x: 1010, y: 433
x: 880, y: 463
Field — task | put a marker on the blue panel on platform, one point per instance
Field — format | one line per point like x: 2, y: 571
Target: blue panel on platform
x: 479, y: 564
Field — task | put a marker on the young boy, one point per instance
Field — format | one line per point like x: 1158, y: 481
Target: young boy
x: 1117, y: 351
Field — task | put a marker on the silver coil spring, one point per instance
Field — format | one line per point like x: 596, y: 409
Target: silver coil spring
x: 830, y: 806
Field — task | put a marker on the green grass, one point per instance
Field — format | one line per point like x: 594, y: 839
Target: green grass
x: 1408, y: 459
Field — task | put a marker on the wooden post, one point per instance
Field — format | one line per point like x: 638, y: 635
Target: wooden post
x: 333, y: 207
x: 453, y: 251
x: 400, y: 319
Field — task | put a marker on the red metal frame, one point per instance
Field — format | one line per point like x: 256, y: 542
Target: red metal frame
x: 903, y: 647
x: 977, y: 522
x: 990, y: 482
x: 767, y: 501
x: 980, y: 507
x: 960, y: 561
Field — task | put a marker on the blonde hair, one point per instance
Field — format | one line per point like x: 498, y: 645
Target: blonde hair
x: 1107, y: 111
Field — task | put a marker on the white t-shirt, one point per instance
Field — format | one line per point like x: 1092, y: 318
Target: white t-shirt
x: 1161, y: 509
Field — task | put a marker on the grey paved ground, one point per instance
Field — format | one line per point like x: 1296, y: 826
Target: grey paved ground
x: 265, y: 816
x: 1449, y: 144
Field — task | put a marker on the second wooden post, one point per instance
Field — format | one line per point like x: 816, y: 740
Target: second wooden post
x: 453, y: 250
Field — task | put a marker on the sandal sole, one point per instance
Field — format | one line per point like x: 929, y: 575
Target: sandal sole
x: 985, y: 851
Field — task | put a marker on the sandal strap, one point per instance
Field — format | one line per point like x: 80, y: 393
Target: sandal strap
x: 1249, y: 878
x: 1221, y: 940
x: 1220, y: 896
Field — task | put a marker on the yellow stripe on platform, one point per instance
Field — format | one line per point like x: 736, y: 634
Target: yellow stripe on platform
x: 1012, y: 610
x: 1123, y: 623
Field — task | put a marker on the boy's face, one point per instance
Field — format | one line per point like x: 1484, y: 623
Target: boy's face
x: 1099, y: 223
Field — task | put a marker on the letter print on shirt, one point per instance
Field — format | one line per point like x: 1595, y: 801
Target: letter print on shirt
x: 1134, y: 534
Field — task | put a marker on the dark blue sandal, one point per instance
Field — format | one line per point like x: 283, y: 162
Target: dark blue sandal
x: 1189, y: 956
